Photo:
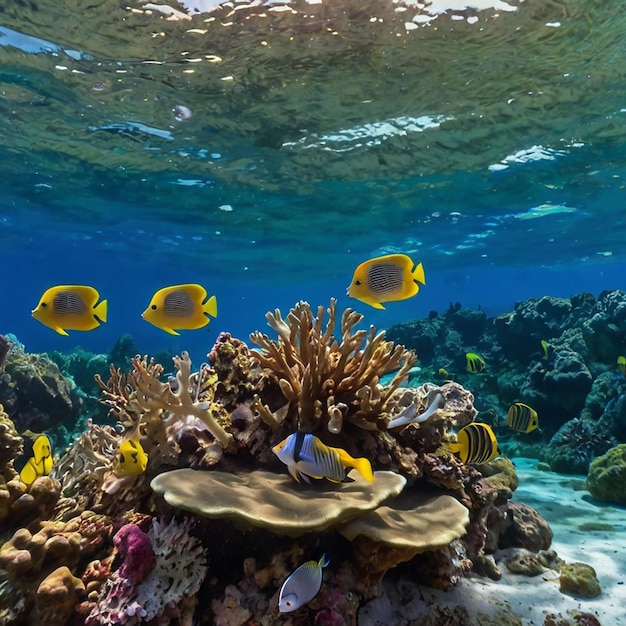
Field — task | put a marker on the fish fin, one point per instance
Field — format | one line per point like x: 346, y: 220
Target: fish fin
x: 29, y: 472
x: 295, y: 474
x: 364, y: 467
x: 324, y: 561
x: 361, y: 465
x: 418, y: 274
x: 371, y: 302
x: 210, y: 307
x: 61, y: 331
x: 171, y: 331
x: 101, y: 311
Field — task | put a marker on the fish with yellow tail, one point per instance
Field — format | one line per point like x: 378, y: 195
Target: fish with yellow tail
x: 621, y: 365
x: 70, y: 307
x: 302, y: 585
x: 474, y: 363
x: 476, y: 444
x: 307, y: 457
x: 40, y: 463
x: 522, y: 418
x: 180, y: 307
x: 131, y: 460
x: 386, y: 278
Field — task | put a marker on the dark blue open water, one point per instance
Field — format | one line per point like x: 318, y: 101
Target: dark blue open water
x: 487, y: 144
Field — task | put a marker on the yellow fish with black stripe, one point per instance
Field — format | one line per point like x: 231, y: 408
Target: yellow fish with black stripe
x: 40, y: 463
x: 306, y: 456
x: 386, y: 278
x: 522, y: 418
x: 476, y: 444
x: 131, y: 459
x: 180, y: 307
x: 474, y: 363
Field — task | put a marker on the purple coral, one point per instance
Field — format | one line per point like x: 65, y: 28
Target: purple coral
x: 135, y: 548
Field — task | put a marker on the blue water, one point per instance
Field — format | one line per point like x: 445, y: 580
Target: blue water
x: 487, y: 145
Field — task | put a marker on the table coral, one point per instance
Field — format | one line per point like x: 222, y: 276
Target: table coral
x: 329, y: 378
x: 274, y: 501
x: 401, y: 528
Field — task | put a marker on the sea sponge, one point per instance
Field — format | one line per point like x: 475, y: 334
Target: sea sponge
x: 135, y: 548
x: 606, y: 479
x: 57, y: 595
x: 579, y: 579
x: 168, y: 591
x: 273, y: 501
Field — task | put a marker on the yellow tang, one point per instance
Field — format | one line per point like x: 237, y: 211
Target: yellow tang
x: 386, y: 279
x: 474, y: 363
x: 131, y: 459
x: 40, y: 463
x: 621, y: 364
x: 476, y: 444
x: 522, y: 418
x: 180, y: 307
x: 70, y: 307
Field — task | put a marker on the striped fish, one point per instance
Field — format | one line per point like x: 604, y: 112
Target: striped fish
x: 386, y: 278
x: 306, y: 456
x: 522, y: 418
x: 474, y: 363
x: 476, y: 444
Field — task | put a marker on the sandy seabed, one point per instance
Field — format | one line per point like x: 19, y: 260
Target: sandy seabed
x: 568, y: 507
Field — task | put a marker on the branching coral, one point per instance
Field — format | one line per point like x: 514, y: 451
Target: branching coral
x: 328, y: 380
x: 146, y: 406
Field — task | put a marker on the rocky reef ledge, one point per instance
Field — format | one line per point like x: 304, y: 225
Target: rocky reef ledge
x: 206, y: 528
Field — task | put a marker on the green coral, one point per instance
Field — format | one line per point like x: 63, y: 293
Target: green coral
x: 606, y: 479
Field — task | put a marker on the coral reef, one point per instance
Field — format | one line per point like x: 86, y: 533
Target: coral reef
x: 579, y: 579
x: 89, y: 546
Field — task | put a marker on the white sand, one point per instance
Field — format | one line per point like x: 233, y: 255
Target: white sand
x: 556, y: 497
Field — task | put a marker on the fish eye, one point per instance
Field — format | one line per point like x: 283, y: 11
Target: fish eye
x: 43, y: 305
x: 154, y: 307
x: 357, y: 282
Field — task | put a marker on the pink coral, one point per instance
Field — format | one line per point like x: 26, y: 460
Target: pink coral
x: 135, y: 547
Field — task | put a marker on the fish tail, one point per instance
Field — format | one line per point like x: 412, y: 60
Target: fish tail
x: 210, y: 306
x: 418, y: 274
x: 101, y: 311
x: 361, y: 465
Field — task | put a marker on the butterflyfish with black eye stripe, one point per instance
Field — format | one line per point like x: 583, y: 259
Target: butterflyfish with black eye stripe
x: 522, y: 418
x: 70, y: 307
x: 306, y: 456
x: 180, y: 307
x: 386, y: 278
x: 476, y: 444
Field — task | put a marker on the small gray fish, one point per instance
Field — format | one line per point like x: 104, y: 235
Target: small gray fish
x: 301, y: 585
